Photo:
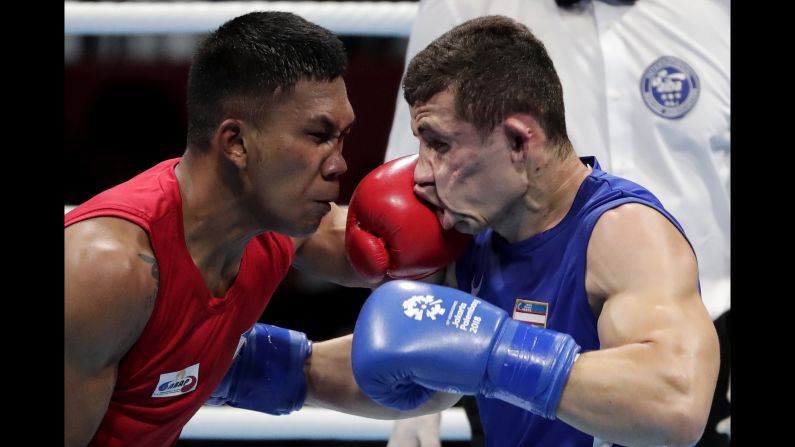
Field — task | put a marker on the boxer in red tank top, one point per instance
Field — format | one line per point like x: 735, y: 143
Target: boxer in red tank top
x: 167, y: 273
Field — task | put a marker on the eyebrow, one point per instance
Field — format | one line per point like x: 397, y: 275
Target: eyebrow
x: 329, y: 125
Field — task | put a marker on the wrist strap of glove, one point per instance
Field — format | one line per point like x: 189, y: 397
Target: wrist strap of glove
x: 529, y: 367
x: 268, y: 373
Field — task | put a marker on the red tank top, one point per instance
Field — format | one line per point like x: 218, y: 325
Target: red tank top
x: 191, y: 337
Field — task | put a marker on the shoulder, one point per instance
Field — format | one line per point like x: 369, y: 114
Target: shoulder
x: 633, y: 224
x: 635, y: 245
x: 107, y: 249
x: 110, y: 283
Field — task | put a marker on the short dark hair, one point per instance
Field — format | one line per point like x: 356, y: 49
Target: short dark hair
x: 247, y: 59
x: 495, y: 66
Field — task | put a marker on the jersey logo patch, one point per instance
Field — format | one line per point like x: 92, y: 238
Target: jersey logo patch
x: 670, y: 87
x: 533, y: 312
x: 179, y: 382
x: 475, y: 289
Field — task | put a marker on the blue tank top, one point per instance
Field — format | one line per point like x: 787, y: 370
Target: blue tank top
x: 541, y: 280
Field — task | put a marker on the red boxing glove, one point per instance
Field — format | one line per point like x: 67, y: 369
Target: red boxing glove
x: 392, y: 231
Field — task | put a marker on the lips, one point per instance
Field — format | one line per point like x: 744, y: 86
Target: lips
x: 446, y: 220
x: 425, y: 193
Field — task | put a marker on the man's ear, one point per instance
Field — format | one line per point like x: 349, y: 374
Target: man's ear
x: 522, y: 132
x: 229, y: 137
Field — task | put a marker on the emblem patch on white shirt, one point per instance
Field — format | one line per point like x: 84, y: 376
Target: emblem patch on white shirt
x: 670, y: 87
x: 179, y: 382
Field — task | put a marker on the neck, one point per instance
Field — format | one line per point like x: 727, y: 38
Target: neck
x: 216, y: 220
x: 553, y: 183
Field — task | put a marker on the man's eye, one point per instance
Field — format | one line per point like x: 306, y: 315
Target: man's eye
x: 320, y: 136
x: 437, y: 145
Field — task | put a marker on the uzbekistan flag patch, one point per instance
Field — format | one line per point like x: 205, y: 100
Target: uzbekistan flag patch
x: 533, y: 312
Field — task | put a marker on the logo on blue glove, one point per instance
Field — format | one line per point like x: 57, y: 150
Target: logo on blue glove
x: 418, y: 305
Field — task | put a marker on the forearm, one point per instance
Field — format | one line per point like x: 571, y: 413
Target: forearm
x: 322, y: 255
x: 639, y: 394
x: 331, y: 385
x: 85, y: 403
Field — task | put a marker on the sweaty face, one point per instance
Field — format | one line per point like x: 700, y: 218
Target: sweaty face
x: 295, y: 157
x: 471, y: 181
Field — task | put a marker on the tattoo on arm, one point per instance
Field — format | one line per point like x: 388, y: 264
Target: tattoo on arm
x: 150, y: 302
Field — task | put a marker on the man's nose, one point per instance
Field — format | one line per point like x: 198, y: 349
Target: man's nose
x: 423, y: 172
x: 424, y: 182
x: 334, y: 166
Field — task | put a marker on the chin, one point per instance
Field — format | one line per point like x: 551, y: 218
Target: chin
x: 301, y: 230
x: 309, y: 225
x: 467, y: 227
x: 296, y: 228
x: 305, y: 224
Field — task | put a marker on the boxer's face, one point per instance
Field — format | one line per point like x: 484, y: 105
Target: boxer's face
x: 296, y: 161
x: 472, y: 182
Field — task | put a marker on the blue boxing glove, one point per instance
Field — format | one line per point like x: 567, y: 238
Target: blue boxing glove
x: 413, y: 339
x: 268, y: 373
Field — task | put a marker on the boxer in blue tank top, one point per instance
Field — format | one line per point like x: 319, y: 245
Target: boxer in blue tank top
x: 530, y: 281
x: 578, y: 319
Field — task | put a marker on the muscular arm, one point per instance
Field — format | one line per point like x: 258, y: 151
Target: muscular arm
x: 652, y: 381
x: 331, y: 385
x: 109, y: 293
x: 323, y: 253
